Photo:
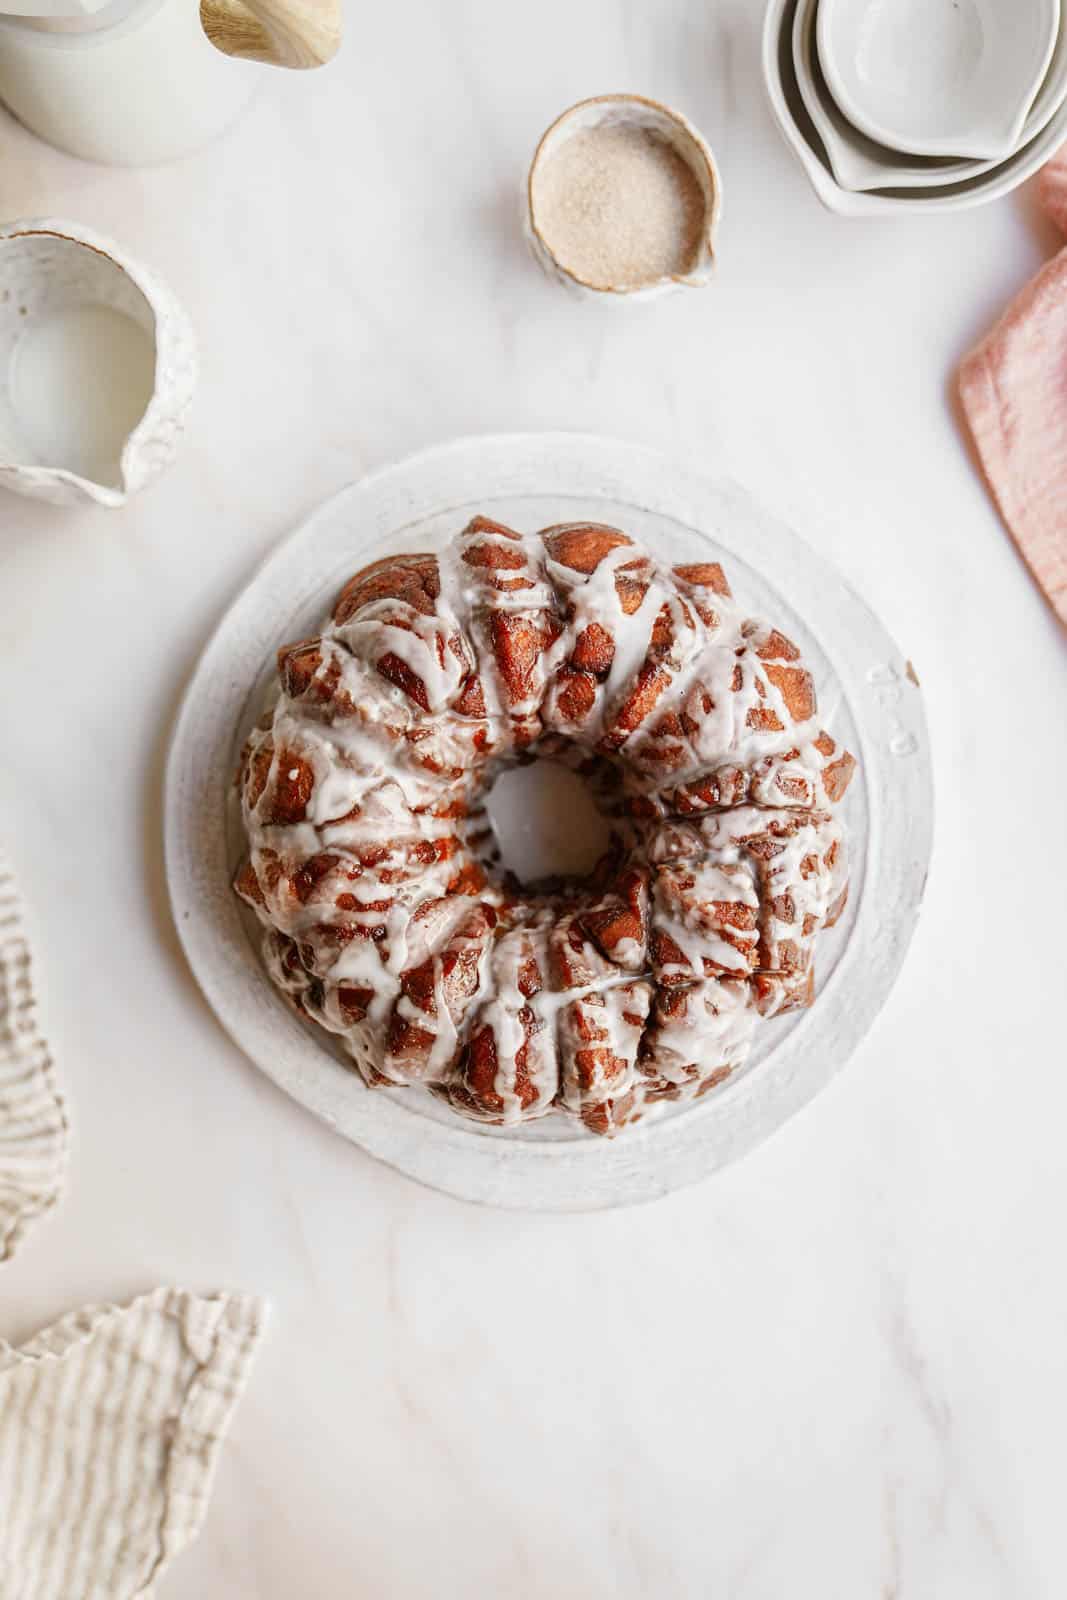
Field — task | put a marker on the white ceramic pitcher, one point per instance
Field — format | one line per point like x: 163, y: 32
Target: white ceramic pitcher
x: 141, y: 81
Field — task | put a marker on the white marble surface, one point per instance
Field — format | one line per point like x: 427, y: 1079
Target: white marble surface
x: 838, y: 1368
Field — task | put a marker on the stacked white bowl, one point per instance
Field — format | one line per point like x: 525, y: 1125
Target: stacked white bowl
x: 903, y: 105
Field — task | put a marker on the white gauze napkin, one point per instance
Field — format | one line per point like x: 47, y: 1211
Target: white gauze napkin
x: 110, y: 1426
x: 33, y: 1123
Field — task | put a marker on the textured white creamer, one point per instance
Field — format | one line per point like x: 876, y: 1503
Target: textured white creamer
x: 90, y: 341
x: 81, y: 380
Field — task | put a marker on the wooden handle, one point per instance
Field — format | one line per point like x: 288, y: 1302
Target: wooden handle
x: 285, y: 33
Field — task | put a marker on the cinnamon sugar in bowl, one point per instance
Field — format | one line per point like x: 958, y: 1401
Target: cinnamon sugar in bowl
x: 623, y: 198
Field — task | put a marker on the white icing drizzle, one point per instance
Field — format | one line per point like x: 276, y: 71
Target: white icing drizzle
x: 698, y: 1037
x: 362, y: 795
x: 686, y: 909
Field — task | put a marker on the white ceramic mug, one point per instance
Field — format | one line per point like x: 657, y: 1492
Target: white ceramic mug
x: 133, y: 82
x: 136, y: 83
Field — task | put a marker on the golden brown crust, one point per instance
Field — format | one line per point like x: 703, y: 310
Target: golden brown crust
x: 704, y: 575
x: 413, y: 580
x: 582, y: 546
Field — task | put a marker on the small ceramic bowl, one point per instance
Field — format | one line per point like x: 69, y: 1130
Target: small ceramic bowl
x: 938, y: 77
x: 859, y: 163
x: 800, y: 133
x: 97, y: 366
x: 629, y: 110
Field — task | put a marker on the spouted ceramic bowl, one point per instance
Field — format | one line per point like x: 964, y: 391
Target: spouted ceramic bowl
x: 860, y: 163
x: 97, y: 367
x: 938, y: 77
x: 628, y: 111
x: 844, y: 174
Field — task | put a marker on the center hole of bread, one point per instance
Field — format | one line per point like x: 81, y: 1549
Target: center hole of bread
x: 546, y: 823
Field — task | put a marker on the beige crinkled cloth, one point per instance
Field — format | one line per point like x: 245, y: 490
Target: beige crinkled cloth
x: 110, y: 1426
x: 112, y: 1419
x: 33, y: 1122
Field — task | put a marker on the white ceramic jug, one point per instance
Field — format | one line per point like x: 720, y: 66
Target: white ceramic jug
x: 142, y: 81
x: 97, y: 366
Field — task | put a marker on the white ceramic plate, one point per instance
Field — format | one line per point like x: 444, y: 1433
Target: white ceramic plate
x: 868, y: 699
x: 857, y: 162
x: 938, y: 77
x: 800, y: 133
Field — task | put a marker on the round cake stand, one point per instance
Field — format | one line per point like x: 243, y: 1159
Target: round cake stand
x: 869, y: 699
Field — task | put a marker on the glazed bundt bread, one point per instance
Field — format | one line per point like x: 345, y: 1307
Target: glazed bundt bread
x: 371, y: 863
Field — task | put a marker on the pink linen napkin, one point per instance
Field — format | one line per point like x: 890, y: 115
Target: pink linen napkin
x: 1013, y: 386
